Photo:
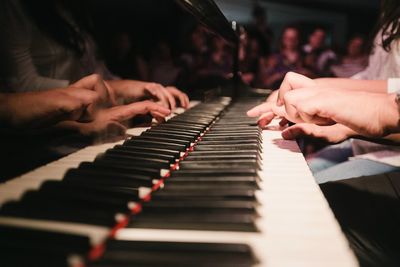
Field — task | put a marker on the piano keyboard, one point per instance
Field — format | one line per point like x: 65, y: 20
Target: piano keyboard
x: 206, y: 188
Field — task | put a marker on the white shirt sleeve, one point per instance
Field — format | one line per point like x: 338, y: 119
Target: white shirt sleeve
x: 393, y: 85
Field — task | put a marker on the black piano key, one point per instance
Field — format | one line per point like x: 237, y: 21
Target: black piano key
x: 153, y: 253
x: 230, y: 142
x: 191, y: 121
x: 58, y: 199
x: 169, y: 135
x: 203, y: 184
x: 205, y: 192
x: 56, y: 211
x: 186, y: 143
x: 102, y: 178
x: 32, y: 257
x: 225, y: 153
x: 183, y: 126
x: 212, y: 179
x: 179, y: 128
x: 211, y: 221
x: 214, y: 172
x: 158, y: 151
x: 117, y: 151
x: 193, y: 165
x: 135, y: 160
x: 227, y: 147
x: 155, y: 144
x: 126, y: 195
x: 171, y: 132
x: 111, y: 166
x: 197, y: 205
x: 230, y: 138
x: 16, y: 238
x: 192, y: 157
x: 229, y: 135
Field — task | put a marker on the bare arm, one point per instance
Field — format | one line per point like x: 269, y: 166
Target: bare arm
x: 372, y: 86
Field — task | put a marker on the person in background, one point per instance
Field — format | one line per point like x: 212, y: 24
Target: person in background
x: 316, y: 47
x: 355, y: 59
x: 384, y: 69
x: 219, y: 60
x: 194, y: 55
x: 249, y: 52
x: 260, y: 31
x: 124, y: 60
x: 163, y: 68
x: 289, y: 58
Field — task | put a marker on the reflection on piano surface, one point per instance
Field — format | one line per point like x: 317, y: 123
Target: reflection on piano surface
x: 206, y: 188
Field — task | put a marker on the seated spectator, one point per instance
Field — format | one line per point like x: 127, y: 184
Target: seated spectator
x: 249, y: 55
x: 219, y: 60
x: 289, y: 58
x: 123, y: 59
x: 260, y: 31
x: 316, y: 45
x: 162, y: 66
x: 355, y: 59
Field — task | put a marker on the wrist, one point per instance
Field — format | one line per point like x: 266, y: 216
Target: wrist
x: 393, y: 118
x: 397, y: 101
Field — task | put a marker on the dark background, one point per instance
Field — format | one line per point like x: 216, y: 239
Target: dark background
x: 152, y: 20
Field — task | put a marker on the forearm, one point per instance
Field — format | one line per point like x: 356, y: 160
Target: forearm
x: 373, y: 86
x: 123, y: 89
x: 5, y: 114
x: 374, y: 115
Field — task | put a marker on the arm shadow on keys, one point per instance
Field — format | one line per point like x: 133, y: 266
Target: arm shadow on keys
x: 286, y: 144
x: 368, y: 210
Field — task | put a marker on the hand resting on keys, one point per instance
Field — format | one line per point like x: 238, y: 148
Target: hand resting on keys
x: 41, y: 109
x: 130, y: 91
x: 109, y: 124
x: 306, y: 106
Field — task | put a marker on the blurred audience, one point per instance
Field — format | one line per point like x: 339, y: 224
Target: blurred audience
x: 163, y: 68
x: 289, y: 58
x: 321, y: 55
x: 249, y: 56
x: 260, y: 31
x: 124, y: 59
x: 355, y: 59
x: 219, y: 59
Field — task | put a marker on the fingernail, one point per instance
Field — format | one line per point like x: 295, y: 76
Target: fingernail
x: 287, y: 134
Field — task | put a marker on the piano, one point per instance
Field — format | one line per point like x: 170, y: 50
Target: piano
x: 206, y: 188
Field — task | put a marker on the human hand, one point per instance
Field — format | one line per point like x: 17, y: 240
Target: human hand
x: 131, y: 91
x: 293, y: 81
x: 110, y: 122
x: 369, y: 114
x: 95, y: 82
x: 268, y: 110
x: 45, y: 107
x: 181, y: 96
